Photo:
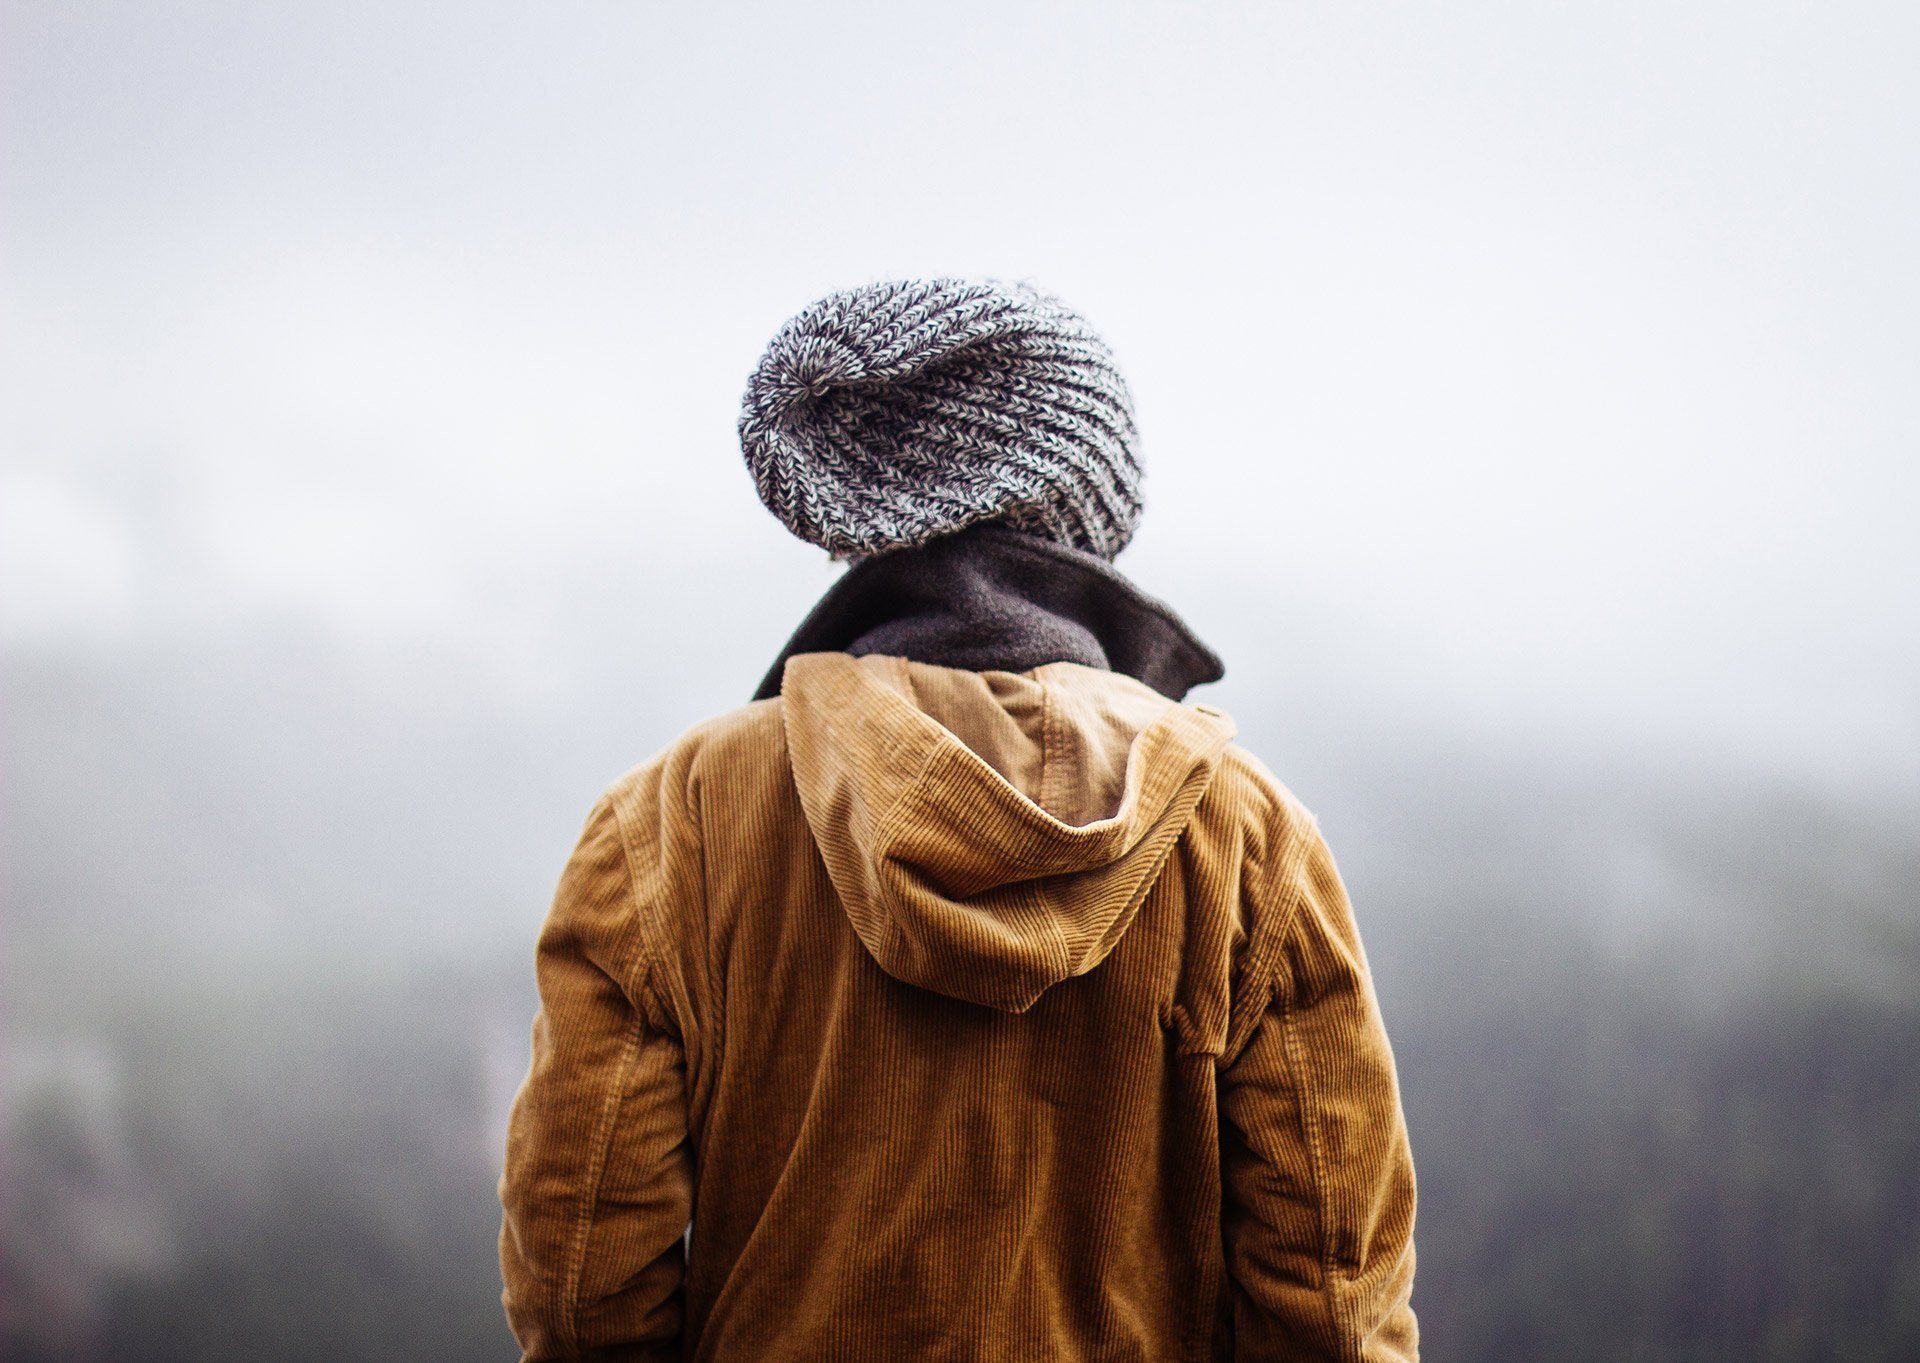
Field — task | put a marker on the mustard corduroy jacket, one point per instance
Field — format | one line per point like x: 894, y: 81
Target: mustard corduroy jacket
x: 921, y: 1013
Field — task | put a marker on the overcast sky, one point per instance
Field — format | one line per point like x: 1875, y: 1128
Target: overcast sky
x: 1544, y: 368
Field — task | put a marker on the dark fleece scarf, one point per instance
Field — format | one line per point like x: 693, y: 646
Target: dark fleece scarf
x: 990, y: 598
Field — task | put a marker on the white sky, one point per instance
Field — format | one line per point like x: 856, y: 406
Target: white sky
x: 1549, y: 367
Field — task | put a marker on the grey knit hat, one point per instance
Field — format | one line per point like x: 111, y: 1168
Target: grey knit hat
x: 890, y: 414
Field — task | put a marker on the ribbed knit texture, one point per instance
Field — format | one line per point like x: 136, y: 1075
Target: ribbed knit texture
x: 889, y: 414
x: 964, y: 1015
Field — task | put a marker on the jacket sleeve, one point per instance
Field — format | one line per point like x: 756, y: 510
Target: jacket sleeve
x: 597, y: 1188
x: 1317, y: 1173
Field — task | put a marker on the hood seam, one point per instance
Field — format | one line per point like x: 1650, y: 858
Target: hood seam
x: 1162, y: 728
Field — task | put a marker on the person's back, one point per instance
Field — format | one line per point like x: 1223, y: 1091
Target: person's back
x: 969, y: 996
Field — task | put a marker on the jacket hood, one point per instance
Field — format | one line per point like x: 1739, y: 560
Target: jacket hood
x: 992, y: 833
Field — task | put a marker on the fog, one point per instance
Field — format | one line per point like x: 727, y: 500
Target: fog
x: 1527, y: 401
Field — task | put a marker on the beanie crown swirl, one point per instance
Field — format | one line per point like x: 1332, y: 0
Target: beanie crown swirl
x: 889, y: 414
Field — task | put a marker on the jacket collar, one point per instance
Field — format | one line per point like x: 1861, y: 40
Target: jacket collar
x: 991, y: 598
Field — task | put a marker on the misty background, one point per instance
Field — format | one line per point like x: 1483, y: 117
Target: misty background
x: 1528, y: 400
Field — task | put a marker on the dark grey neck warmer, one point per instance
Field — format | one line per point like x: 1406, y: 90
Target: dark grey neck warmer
x: 990, y: 598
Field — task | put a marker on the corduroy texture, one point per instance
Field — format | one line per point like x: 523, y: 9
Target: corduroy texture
x: 964, y: 1015
x: 889, y: 414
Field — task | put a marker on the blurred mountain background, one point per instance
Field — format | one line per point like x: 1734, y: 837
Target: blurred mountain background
x: 1527, y: 402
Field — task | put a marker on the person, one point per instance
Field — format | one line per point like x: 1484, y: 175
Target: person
x: 968, y: 993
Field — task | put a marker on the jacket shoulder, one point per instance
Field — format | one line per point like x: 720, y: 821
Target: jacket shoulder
x: 656, y: 806
x: 1252, y: 820
x: 1271, y: 820
x: 736, y: 740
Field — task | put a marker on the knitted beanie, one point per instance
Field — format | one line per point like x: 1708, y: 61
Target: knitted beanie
x: 890, y: 414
